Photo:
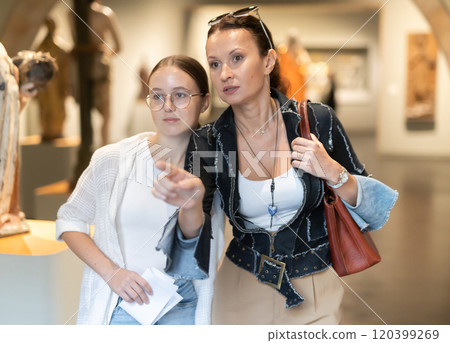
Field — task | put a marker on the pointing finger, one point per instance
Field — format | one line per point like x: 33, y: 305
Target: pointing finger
x: 171, y: 171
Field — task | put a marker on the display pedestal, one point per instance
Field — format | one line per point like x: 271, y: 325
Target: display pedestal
x: 43, y: 163
x: 40, y: 278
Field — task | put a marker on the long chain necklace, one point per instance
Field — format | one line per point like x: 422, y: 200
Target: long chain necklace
x: 272, y: 209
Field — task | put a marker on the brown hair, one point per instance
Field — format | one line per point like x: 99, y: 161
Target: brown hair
x: 253, y: 25
x: 190, y: 66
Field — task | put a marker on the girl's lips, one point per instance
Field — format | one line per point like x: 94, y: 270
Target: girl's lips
x: 230, y: 90
x: 171, y: 120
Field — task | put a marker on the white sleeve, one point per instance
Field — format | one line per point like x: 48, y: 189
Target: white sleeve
x: 79, y: 210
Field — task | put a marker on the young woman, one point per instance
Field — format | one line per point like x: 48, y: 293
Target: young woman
x: 115, y: 193
x: 270, y: 183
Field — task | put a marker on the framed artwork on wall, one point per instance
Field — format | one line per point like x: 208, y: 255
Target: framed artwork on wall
x: 347, y: 73
x: 421, y: 81
x: 349, y: 65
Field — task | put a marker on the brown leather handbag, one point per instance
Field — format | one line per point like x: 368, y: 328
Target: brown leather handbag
x: 351, y: 250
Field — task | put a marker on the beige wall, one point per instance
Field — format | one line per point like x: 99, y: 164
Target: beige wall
x: 392, y: 136
x: 150, y: 30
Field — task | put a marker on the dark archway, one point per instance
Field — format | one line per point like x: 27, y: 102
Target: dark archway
x: 22, y: 22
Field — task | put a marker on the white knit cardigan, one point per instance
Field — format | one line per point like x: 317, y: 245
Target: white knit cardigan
x: 95, y: 200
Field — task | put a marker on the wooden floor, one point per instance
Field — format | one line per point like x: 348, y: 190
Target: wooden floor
x: 412, y: 283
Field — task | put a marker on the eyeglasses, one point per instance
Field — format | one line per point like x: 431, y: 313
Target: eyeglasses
x: 179, y: 98
x: 243, y: 12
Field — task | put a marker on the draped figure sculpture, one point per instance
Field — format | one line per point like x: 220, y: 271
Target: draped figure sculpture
x: 52, y: 98
x: 20, y: 79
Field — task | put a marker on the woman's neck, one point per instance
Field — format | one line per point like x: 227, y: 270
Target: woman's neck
x: 169, y: 148
x: 256, y: 117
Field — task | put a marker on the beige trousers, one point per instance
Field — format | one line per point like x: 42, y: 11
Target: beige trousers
x: 240, y: 298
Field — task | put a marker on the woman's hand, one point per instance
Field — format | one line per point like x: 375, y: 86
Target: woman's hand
x: 130, y: 286
x: 127, y: 284
x: 178, y: 187
x: 311, y: 157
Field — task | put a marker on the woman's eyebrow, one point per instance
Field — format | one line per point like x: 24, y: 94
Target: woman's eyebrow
x: 230, y: 53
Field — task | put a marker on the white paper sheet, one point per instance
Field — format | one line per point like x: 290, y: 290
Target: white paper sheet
x: 164, y: 297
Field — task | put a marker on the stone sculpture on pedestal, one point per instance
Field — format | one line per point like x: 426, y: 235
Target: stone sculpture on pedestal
x: 20, y: 79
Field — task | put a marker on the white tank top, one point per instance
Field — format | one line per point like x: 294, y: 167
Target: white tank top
x: 141, y: 217
x: 256, y: 197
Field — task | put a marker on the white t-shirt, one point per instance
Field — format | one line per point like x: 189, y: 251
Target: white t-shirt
x: 256, y: 197
x: 141, y: 217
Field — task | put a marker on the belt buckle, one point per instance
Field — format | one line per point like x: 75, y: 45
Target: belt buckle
x: 282, y: 266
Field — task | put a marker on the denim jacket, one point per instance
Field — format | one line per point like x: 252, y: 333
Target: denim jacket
x: 300, y: 247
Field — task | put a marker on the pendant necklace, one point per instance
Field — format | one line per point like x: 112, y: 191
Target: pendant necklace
x: 272, y: 209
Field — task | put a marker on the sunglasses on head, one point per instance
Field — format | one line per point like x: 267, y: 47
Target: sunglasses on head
x: 243, y: 12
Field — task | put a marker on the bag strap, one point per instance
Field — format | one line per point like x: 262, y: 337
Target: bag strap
x: 305, y: 131
x: 304, y: 121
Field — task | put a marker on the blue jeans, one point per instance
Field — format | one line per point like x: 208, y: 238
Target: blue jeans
x: 182, y: 313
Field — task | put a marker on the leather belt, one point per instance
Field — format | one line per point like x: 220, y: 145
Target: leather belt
x: 268, y: 270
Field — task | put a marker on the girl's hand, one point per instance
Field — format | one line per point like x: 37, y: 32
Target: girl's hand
x: 178, y: 187
x: 311, y: 157
x: 130, y: 286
